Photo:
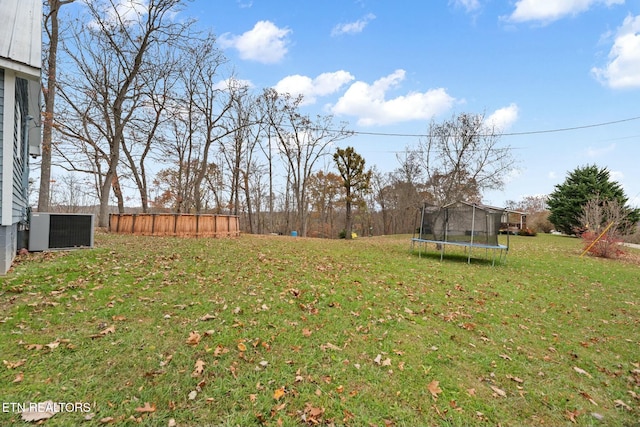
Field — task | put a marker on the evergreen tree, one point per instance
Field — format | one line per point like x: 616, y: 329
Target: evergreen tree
x: 354, y: 179
x: 567, y: 201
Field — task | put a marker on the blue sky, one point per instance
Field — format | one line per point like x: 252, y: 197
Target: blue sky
x: 391, y: 67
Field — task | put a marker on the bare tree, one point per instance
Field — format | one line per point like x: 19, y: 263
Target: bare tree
x: 462, y: 157
x: 605, y: 222
x: 106, y: 89
x: 302, y: 141
x: 52, y: 30
x: 147, y: 132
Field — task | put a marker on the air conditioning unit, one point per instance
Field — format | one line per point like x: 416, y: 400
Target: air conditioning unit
x: 48, y: 231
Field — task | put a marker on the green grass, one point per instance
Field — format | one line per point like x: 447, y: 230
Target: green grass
x: 354, y: 333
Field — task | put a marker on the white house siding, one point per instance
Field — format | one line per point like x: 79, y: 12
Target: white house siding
x: 20, y: 64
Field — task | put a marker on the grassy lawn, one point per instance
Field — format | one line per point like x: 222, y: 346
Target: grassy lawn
x: 290, y: 331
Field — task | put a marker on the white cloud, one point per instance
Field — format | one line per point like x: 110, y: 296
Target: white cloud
x: 265, y: 43
x: 502, y: 118
x: 552, y: 10
x: 623, y: 69
x: 368, y: 103
x: 600, y: 151
x: 468, y: 5
x: 353, y: 27
x: 310, y: 89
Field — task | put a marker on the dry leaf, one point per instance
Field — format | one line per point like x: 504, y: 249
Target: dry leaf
x: 312, y: 415
x: 207, y: 317
x: 306, y: 332
x: 199, y: 368
x: 118, y: 318
x: 40, y: 411
x: 499, y: 391
x: 193, y: 395
x: 620, y: 404
x: 242, y: 347
x: 146, y: 408
x: 582, y: 371
x: 330, y: 347
x: 107, y: 420
x: 471, y: 392
x: 278, y: 393
x: 505, y: 356
x: 13, y: 365
x: 109, y: 330
x: 19, y: 377
x: 37, y: 347
x: 588, y: 397
x: 220, y: 350
x: 434, y: 389
x: 194, y: 338
x: 172, y: 423
x: 516, y: 379
x: 386, y: 362
x: 378, y: 359
x: 572, y: 415
x: 53, y: 345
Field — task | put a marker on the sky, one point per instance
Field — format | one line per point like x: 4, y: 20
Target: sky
x: 560, y: 78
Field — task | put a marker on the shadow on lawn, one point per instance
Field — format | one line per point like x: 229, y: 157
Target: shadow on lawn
x: 458, y: 258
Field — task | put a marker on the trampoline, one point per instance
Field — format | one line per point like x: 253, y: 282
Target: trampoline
x: 469, y: 225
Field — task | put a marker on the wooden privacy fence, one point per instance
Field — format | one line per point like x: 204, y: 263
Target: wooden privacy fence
x: 181, y: 225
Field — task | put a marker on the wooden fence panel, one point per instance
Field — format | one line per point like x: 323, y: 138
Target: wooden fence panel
x: 181, y: 225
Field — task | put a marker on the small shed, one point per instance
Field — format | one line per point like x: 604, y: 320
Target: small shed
x: 471, y: 225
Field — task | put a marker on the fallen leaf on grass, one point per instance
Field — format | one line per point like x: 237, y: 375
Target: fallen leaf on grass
x: 207, y: 317
x: 13, y: 365
x: 107, y: 420
x: 312, y: 415
x: 220, y: 350
x: 36, y: 347
x: 588, y: 397
x: 434, y: 389
x: 103, y: 332
x: 499, y: 391
x: 19, y: 377
x: 53, y: 344
x: 194, y: 338
x: 571, y: 415
x: 516, y: 379
x: 193, y: 395
x: 40, y: 411
x: 146, y: 408
x: 242, y: 347
x: 620, y: 404
x: 199, y: 368
x: 278, y: 393
x: 329, y: 346
x: 582, y: 371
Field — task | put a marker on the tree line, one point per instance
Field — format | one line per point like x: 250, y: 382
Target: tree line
x: 137, y: 102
